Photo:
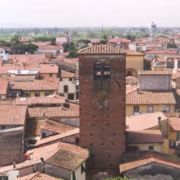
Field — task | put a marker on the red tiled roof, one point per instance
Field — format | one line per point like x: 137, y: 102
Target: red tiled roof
x: 144, y: 121
x: 101, y: 49
x: 174, y: 122
x: 37, y: 176
x: 3, y: 86
x: 46, y: 152
x: 56, y: 127
x: 36, y: 85
x: 12, y: 115
x: 47, y: 68
x: 69, y: 157
x: 40, y: 100
x: 118, y: 40
x: 145, y: 136
x: 149, y: 97
x: 56, y: 138
x: 156, y: 72
x: 28, y: 59
x: 139, y: 163
x: 73, y: 111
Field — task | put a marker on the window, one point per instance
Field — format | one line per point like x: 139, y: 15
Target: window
x: 70, y: 79
x: 178, y: 136
x: 3, y: 127
x: 151, y: 148
x: 150, y: 109
x: 166, y: 108
x: 47, y: 93
x: 50, y: 75
x: 102, y: 70
x: 77, y: 87
x: 136, y: 109
x: 37, y: 94
x: 71, y: 96
x: 65, y: 88
x: 77, y: 140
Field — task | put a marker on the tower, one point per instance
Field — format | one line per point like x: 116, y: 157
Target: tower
x: 152, y: 31
x: 102, y: 104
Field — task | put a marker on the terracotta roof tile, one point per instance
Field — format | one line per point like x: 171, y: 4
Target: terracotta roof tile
x: 36, y: 85
x: 56, y: 127
x: 73, y: 111
x: 3, y: 86
x: 139, y: 163
x: 147, y: 121
x: 48, y: 151
x: 56, y: 138
x: 174, y: 122
x: 150, y: 97
x: 12, y: 115
x: 37, y: 176
x: 69, y: 157
x: 101, y: 49
x: 145, y: 136
x: 156, y: 72
x: 40, y: 100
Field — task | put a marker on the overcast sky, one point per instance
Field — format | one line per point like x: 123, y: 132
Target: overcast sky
x: 68, y: 13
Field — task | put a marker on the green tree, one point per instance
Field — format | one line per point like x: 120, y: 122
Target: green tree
x: 72, y: 51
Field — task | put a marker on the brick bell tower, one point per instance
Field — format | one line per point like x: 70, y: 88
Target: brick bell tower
x: 102, y: 104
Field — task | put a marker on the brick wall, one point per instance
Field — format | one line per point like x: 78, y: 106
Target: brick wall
x: 102, y: 130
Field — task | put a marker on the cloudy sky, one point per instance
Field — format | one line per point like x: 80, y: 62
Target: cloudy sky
x: 67, y: 13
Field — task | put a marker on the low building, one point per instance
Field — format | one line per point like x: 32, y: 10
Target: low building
x: 33, y: 88
x: 150, y: 168
x: 69, y: 85
x: 138, y: 102
x: 145, y: 140
x: 173, y: 133
x: 37, y: 176
x: 52, y: 50
x: 45, y: 101
x: 156, y: 80
x: 4, y: 89
x: 134, y: 62
x: 12, y: 129
x: 60, y: 160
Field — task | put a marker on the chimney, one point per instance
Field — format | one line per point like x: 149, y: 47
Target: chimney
x: 42, y: 163
x: 159, y: 121
x: 14, y: 164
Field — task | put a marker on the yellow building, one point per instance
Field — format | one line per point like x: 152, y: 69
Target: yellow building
x: 138, y: 102
x: 173, y: 133
x: 134, y: 62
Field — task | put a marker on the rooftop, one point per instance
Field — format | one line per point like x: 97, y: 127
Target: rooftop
x: 156, y: 72
x: 72, y: 111
x: 56, y: 138
x: 49, y: 154
x: 101, y: 49
x: 139, y: 163
x: 37, y: 176
x: 12, y: 115
x: 56, y: 127
x: 150, y: 97
x: 36, y: 85
x: 69, y: 157
x: 144, y: 136
x: 39, y: 100
x: 148, y: 120
x: 174, y: 123
x: 3, y: 86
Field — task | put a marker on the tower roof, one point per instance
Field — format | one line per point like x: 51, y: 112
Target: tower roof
x: 101, y: 49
